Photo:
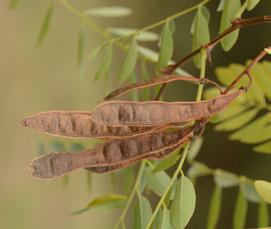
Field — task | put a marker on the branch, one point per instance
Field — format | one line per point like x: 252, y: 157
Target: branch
x: 236, y: 24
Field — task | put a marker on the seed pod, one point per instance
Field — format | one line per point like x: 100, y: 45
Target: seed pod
x: 155, y: 156
x: 80, y: 124
x: 153, y: 113
x: 109, y: 154
x: 156, y: 81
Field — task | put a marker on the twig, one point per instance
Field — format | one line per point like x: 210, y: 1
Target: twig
x: 236, y: 24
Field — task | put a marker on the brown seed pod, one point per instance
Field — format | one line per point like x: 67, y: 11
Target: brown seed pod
x: 150, y: 113
x: 80, y: 124
x: 160, y: 80
x: 155, y: 156
x: 109, y: 154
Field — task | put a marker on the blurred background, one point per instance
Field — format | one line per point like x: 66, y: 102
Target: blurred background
x: 47, y: 78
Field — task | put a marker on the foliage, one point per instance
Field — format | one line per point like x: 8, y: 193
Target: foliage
x: 248, y: 116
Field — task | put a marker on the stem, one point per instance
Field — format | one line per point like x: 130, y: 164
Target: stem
x: 163, y: 21
x: 246, y: 71
x: 186, y: 150
x: 174, y: 177
x: 132, y: 194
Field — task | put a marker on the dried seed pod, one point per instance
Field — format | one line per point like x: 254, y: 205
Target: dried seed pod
x: 160, y: 80
x: 155, y: 156
x: 150, y: 113
x: 109, y: 154
x: 80, y: 124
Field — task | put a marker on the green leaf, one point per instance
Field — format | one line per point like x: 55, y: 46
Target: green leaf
x: 225, y: 179
x: 162, y: 220
x: 198, y: 169
x: 94, y: 53
x: 194, y: 148
x: 106, y: 202
x: 167, y: 162
x: 231, y: 8
x: 158, y: 182
x: 221, y: 5
x: 251, y: 4
x: 12, y: 4
x: 130, y: 61
x: 263, y: 216
x: 264, y: 189
x: 263, y: 148
x: 214, y: 208
x: 251, y: 130
x: 184, y: 202
x: 142, y: 212
x: 166, y: 45
x: 128, y: 178
x: 237, y: 121
x: 109, y: 11
x: 105, y: 65
x: 240, y: 211
x: 141, y: 35
x: 249, y: 190
x: 200, y: 31
x: 45, y: 24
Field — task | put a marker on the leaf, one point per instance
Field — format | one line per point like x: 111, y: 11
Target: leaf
x: 237, y: 121
x: 12, y: 4
x: 162, y: 220
x: 106, y: 62
x: 250, y: 131
x: 141, y: 35
x: 264, y: 189
x: 249, y: 190
x: 230, y: 9
x: 166, y: 45
x: 168, y: 162
x: 109, y: 11
x: 194, y: 148
x: 198, y: 169
x: 130, y: 61
x: 45, y: 24
x: 142, y: 212
x: 106, y: 202
x: 158, y: 182
x: 240, y: 211
x: 214, y: 208
x: 225, y: 179
x: 263, y: 148
x: 184, y: 202
x: 251, y: 4
x: 221, y: 5
x: 200, y: 31
x: 263, y: 216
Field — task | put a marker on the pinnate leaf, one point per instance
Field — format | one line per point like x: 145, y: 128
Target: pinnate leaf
x: 106, y: 202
